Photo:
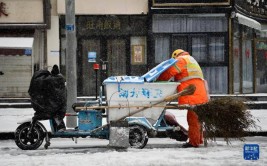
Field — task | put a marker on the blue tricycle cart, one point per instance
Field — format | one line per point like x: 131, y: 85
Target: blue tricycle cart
x: 137, y: 104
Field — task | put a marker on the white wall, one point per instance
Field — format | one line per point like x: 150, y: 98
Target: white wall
x: 22, y: 11
x: 53, y: 43
x: 53, y: 37
x: 102, y: 7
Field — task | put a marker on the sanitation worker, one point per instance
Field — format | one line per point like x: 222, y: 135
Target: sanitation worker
x: 187, y: 71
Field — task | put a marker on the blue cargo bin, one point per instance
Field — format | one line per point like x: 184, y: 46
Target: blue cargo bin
x: 89, y: 120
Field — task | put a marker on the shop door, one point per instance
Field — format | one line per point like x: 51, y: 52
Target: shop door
x: 16, y: 75
x: 116, y: 56
x: 110, y: 55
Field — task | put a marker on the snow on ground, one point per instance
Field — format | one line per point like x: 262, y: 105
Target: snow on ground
x: 10, y: 116
x: 158, y: 152
x: 95, y: 152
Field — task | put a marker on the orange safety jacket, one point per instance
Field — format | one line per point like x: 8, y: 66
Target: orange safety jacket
x: 187, y: 71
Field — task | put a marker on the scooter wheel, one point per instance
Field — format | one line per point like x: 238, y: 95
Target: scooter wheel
x: 138, y: 136
x: 30, y: 141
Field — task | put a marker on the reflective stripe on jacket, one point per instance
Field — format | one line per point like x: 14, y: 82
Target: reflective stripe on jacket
x: 187, y: 71
x: 188, y: 68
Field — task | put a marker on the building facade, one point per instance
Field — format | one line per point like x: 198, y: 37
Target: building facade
x: 20, y: 20
x: 226, y: 37
x: 112, y: 34
x: 249, y: 53
x: 125, y: 37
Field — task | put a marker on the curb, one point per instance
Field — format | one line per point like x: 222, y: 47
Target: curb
x: 11, y: 135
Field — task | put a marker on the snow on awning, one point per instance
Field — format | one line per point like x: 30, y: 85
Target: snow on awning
x: 263, y: 27
x: 248, y: 21
x: 16, y: 42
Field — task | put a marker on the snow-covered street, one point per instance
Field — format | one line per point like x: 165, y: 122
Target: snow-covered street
x: 95, y: 152
x: 159, y: 151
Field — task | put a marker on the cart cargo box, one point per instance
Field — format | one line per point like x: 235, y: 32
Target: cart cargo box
x: 130, y: 91
x: 89, y: 120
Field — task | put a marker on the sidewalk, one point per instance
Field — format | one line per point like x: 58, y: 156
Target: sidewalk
x: 9, y: 117
x: 253, y: 101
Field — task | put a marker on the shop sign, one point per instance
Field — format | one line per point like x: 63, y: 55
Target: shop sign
x: 102, y: 25
x: 3, y: 9
x: 190, y: 2
x: 138, y: 54
x: 69, y: 27
x: 236, y: 51
x: 253, y: 7
x: 91, y: 56
x: 27, y: 51
x: 261, y: 45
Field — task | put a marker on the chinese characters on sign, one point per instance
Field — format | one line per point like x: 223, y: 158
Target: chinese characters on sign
x: 251, y: 152
x: 253, y: 7
x: 140, y: 93
x: 103, y: 24
x: 3, y: 9
x: 137, y: 54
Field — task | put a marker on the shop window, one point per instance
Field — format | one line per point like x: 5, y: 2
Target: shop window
x: 261, y: 67
x: 247, y: 64
x: 180, y: 42
x: 207, y: 49
x: 162, y: 48
x: 217, y: 79
x: 236, y: 64
x: 175, y: 23
x: 243, y: 74
x: 199, y: 48
x: 203, y: 36
x: 216, y: 49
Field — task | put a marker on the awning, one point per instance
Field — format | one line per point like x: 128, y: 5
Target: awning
x: 250, y: 22
x: 16, y: 42
x: 263, y: 27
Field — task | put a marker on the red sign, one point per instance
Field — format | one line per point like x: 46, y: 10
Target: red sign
x: 236, y: 52
x: 96, y: 66
x: 247, y: 52
x: 3, y: 9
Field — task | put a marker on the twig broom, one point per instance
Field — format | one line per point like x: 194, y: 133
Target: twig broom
x: 225, y: 117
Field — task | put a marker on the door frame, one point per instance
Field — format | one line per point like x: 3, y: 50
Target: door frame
x: 103, y: 56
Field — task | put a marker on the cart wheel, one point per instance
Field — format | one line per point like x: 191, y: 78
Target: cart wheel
x: 30, y: 141
x: 138, y: 137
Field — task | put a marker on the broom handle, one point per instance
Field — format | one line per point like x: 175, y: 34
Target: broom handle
x: 187, y: 91
x: 171, y: 106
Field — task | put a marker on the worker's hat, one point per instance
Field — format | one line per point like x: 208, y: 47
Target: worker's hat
x: 179, y: 52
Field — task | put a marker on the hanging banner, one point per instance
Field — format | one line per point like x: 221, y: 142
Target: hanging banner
x: 167, y: 3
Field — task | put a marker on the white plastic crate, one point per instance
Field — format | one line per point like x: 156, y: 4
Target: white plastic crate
x: 129, y: 91
x: 137, y: 94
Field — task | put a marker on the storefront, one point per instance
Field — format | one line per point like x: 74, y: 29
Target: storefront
x: 230, y: 52
x: 20, y: 23
x: 202, y: 29
x: 129, y: 38
x: 249, y: 47
x: 115, y: 39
